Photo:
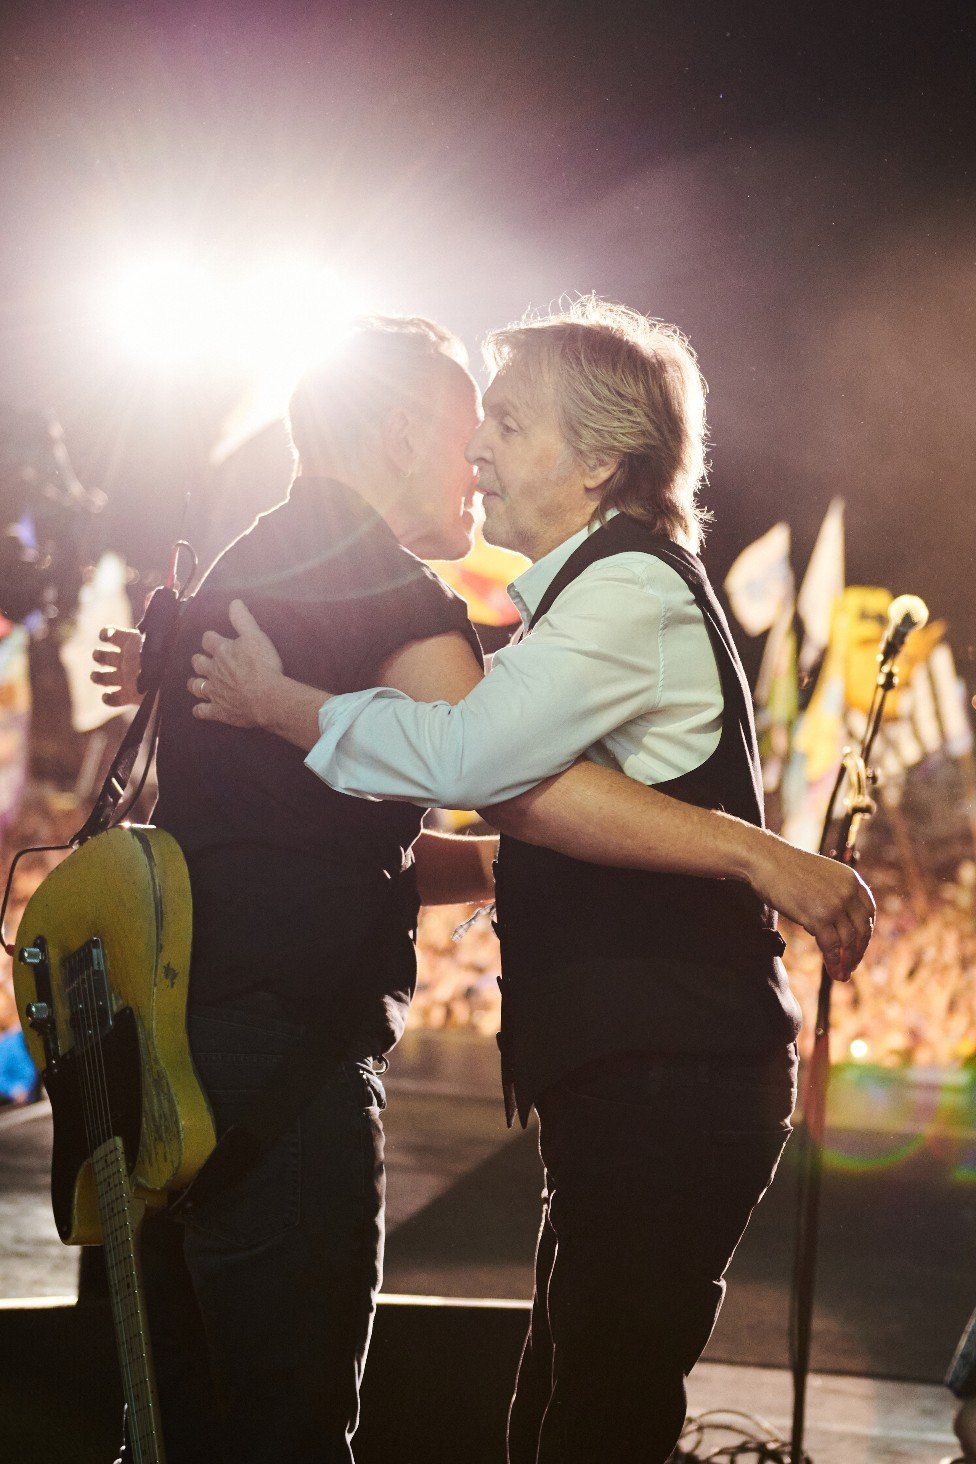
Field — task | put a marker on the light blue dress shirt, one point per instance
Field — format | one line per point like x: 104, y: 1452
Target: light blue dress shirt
x: 619, y: 670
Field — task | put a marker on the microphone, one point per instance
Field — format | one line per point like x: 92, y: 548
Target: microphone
x: 905, y: 614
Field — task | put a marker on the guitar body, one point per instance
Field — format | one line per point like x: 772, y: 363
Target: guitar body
x: 113, y: 924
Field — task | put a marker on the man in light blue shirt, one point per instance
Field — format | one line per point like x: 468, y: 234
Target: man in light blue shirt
x: 619, y: 671
x: 646, y: 1013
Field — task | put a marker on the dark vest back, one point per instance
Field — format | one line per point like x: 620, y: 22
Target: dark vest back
x: 598, y: 961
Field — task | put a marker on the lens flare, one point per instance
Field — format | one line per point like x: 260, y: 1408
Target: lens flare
x: 272, y: 321
x: 164, y: 310
x: 284, y: 317
x: 882, y: 1117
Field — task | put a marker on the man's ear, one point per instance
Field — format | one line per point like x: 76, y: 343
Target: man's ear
x: 398, y: 440
x: 598, y: 470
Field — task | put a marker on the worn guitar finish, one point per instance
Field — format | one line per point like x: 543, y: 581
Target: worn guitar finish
x: 130, y: 889
x: 101, y: 977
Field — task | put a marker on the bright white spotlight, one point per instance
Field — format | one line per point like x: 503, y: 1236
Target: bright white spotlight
x: 287, y: 315
x: 274, y: 322
x: 283, y: 319
x: 164, y: 309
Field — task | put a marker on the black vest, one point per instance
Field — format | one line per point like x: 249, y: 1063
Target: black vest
x: 598, y: 961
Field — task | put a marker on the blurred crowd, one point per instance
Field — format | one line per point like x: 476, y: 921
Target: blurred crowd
x: 912, y: 1001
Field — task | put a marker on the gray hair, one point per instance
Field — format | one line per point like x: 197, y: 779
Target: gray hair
x: 624, y: 386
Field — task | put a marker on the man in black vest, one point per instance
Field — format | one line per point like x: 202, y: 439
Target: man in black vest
x: 646, y: 1012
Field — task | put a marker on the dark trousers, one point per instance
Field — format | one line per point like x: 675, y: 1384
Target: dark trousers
x: 653, y: 1167
x: 261, y: 1304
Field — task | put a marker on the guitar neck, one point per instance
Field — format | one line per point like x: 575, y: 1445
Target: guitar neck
x: 116, y: 1211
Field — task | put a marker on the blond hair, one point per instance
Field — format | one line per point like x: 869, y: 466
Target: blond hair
x: 383, y: 361
x: 624, y: 386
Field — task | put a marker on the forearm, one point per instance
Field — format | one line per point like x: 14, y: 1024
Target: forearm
x: 382, y: 744
x: 289, y: 709
x: 546, y: 700
x: 592, y: 813
x: 454, y: 869
x: 601, y: 816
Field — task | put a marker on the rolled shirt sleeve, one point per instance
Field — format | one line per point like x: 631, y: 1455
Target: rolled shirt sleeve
x: 590, y: 665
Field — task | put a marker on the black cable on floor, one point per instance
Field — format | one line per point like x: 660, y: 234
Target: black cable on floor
x: 751, y: 1439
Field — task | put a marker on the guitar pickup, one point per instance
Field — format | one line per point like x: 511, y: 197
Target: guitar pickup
x: 86, y: 986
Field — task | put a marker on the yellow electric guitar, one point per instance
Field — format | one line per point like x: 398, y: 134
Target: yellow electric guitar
x: 101, y: 976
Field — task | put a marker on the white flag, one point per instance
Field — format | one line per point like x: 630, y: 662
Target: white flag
x: 760, y: 583
x: 823, y: 585
x: 925, y: 716
x: 952, y: 701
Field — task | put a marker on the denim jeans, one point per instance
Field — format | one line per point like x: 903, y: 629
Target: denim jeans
x: 653, y: 1167
x: 261, y: 1303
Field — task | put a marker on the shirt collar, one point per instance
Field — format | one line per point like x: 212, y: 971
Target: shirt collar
x: 527, y: 590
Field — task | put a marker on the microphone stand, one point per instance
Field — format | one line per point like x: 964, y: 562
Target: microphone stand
x: 858, y: 806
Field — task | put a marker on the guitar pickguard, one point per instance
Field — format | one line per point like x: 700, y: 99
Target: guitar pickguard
x: 117, y: 1077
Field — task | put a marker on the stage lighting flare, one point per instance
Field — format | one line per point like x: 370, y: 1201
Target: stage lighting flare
x: 164, y: 310
x: 273, y: 322
x: 288, y: 315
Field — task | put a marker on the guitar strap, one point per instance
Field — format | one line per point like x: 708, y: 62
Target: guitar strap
x: 159, y: 626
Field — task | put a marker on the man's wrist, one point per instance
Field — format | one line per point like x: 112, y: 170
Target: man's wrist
x: 289, y: 709
x: 266, y: 698
x: 751, y: 849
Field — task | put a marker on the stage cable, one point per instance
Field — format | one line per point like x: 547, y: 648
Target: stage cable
x: 747, y: 1437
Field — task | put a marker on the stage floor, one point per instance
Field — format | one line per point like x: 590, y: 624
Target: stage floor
x: 849, y: 1420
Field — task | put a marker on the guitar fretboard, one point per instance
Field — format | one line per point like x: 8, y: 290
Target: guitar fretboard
x: 128, y: 1308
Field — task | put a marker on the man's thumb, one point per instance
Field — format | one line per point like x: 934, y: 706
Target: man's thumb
x: 242, y: 620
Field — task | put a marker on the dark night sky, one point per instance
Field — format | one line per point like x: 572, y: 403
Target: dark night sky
x: 793, y: 185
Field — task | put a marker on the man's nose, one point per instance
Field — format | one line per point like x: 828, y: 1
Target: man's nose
x: 475, y: 451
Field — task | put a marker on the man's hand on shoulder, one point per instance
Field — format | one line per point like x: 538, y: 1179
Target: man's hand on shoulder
x: 119, y: 666
x: 829, y: 899
x: 241, y: 683
x: 235, y: 679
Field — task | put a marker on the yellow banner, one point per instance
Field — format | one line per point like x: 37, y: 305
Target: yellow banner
x: 482, y: 578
